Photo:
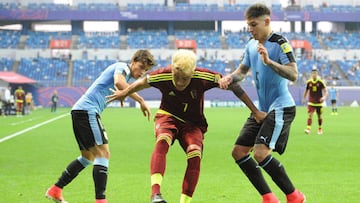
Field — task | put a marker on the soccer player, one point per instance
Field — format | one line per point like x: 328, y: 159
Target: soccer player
x: 54, y: 101
x: 316, y: 93
x: 29, y: 102
x: 180, y: 116
x: 271, y: 58
x: 19, y: 100
x: 7, y: 98
x: 88, y: 129
x: 333, y: 94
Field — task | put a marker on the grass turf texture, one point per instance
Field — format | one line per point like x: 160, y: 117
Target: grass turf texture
x: 324, y: 167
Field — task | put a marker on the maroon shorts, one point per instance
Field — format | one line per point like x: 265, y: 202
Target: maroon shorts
x: 186, y: 134
x: 312, y: 109
x: 19, y: 106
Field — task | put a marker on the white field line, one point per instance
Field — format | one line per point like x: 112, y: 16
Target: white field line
x: 32, y: 128
x: 25, y: 121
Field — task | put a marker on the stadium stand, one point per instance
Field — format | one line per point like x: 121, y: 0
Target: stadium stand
x: 46, y: 71
x: 9, y: 39
x: 148, y: 38
x: 98, y: 40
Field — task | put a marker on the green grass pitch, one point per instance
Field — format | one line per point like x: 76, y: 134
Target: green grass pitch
x: 325, y: 168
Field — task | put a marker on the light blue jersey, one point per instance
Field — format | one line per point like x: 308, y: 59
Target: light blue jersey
x: 272, y: 89
x: 333, y: 93
x: 94, y: 99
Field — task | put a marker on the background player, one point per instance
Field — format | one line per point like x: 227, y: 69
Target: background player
x: 180, y: 116
x: 19, y: 100
x: 88, y: 129
x: 334, y: 95
x: 54, y: 100
x: 29, y: 103
x: 316, y: 93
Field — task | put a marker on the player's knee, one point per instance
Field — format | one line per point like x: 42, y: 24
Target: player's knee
x: 107, y: 154
x: 193, y: 151
x: 193, y: 147
x: 239, y: 152
x: 87, y: 155
x: 104, y: 154
x: 164, y: 138
x: 260, y: 155
x: 101, y: 151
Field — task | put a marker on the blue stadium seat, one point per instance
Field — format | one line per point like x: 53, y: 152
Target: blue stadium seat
x: 148, y: 38
x: 6, y: 64
x: 48, y: 72
x: 204, y: 38
x: 86, y: 71
x: 98, y: 40
x: 42, y: 39
x: 237, y: 40
x: 9, y: 39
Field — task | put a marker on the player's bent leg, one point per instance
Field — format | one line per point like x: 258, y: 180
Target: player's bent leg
x: 70, y: 173
x: 250, y: 168
x: 261, y: 151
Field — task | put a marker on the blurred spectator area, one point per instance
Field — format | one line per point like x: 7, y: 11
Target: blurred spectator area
x: 161, y: 5
x: 85, y: 69
x: 160, y: 39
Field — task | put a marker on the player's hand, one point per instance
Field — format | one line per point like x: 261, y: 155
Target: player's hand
x: 264, y: 56
x: 146, y: 110
x: 259, y: 116
x: 225, y: 81
x: 322, y: 99
x: 116, y: 95
x: 303, y: 101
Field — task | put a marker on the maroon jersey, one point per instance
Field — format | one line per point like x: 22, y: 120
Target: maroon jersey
x: 187, y: 105
x: 315, y: 88
x: 19, y: 95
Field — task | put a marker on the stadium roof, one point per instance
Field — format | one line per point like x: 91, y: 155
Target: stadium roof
x: 12, y: 77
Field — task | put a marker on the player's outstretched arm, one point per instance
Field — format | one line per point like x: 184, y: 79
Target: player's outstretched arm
x: 241, y: 94
x: 130, y: 90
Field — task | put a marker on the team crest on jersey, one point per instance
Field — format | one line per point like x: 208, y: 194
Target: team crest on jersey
x: 286, y: 48
x: 171, y: 93
x: 193, y: 94
x: 217, y: 78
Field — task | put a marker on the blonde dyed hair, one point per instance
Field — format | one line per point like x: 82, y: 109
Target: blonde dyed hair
x: 184, y: 60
